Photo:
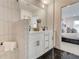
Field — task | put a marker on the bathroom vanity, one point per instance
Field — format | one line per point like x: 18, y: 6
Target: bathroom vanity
x: 32, y: 44
x: 39, y: 43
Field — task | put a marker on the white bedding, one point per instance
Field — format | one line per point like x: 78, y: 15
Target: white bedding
x: 71, y: 35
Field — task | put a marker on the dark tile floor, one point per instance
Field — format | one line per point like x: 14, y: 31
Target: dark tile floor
x: 48, y: 55
x: 58, y: 54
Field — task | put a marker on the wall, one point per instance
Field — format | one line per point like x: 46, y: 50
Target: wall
x: 57, y: 25
x: 50, y: 17
x: 9, y: 14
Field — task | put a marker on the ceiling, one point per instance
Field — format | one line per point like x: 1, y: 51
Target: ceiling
x: 32, y: 5
x: 29, y: 6
x: 35, y: 2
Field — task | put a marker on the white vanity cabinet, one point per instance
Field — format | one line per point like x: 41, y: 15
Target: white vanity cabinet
x: 39, y: 43
x: 48, y: 40
x: 36, y: 44
x: 32, y: 45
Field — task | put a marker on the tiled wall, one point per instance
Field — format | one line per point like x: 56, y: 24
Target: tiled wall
x: 5, y: 30
x: 9, y: 13
x: 8, y: 10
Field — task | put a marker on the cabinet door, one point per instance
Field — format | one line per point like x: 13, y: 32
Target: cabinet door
x: 48, y: 40
x: 36, y: 45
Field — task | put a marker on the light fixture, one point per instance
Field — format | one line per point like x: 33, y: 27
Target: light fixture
x: 45, y: 1
x: 43, y: 5
x: 68, y: 6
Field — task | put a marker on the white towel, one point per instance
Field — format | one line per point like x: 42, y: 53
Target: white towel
x: 9, y: 46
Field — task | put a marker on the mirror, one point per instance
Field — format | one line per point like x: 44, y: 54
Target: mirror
x: 70, y: 24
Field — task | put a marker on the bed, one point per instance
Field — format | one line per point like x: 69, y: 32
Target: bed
x: 70, y: 38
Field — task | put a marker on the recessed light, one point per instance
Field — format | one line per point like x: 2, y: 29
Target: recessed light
x: 68, y: 6
x: 43, y: 5
x: 45, y: 1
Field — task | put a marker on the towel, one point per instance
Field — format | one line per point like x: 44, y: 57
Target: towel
x: 9, y: 46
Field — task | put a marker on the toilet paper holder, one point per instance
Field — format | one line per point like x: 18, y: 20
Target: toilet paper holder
x: 1, y: 43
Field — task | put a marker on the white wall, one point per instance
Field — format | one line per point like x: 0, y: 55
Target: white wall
x: 9, y: 13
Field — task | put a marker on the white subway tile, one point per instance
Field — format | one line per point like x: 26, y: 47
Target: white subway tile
x: 8, y: 4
